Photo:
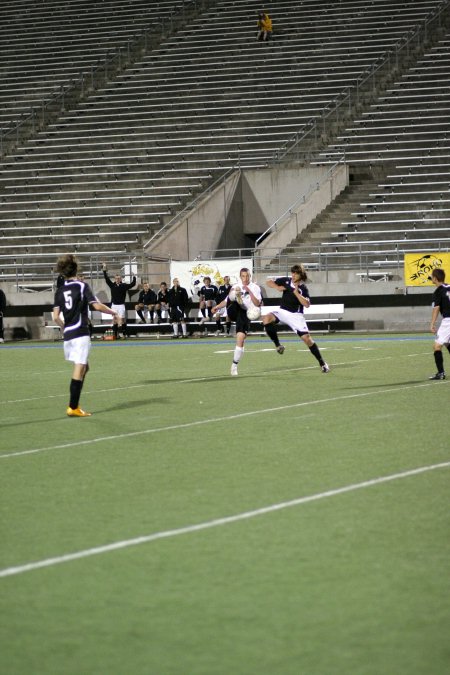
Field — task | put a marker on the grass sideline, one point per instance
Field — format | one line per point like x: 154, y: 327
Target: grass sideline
x: 344, y: 582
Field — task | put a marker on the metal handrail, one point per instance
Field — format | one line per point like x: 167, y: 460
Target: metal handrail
x: 298, y: 201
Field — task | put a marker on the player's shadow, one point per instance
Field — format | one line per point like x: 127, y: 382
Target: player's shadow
x: 126, y: 405
x: 377, y: 385
x: 130, y: 405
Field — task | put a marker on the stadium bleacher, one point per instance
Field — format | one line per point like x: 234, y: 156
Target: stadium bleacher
x: 116, y: 166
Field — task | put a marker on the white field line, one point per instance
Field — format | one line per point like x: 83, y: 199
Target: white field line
x: 226, y: 418
x: 217, y: 522
x: 207, y: 378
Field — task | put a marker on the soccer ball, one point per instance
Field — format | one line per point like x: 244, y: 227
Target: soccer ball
x: 253, y: 313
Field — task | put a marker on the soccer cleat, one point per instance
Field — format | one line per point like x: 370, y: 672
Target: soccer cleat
x: 234, y: 370
x: 77, y: 412
x: 438, y: 376
x: 280, y: 349
x: 325, y: 368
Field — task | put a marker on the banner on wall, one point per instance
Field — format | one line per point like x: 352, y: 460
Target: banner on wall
x: 192, y: 272
x: 419, y: 266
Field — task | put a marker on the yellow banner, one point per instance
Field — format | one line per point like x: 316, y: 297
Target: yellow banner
x: 419, y: 266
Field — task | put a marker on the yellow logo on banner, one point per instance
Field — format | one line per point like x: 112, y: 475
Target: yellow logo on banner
x: 419, y: 266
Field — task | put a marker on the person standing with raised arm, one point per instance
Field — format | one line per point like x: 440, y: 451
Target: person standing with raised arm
x: 118, y: 296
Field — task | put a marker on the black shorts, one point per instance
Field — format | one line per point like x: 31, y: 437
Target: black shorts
x: 238, y: 314
x: 176, y: 314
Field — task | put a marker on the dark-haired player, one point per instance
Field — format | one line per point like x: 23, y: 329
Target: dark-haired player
x: 222, y: 294
x: 73, y: 298
x: 146, y: 302
x: 293, y: 301
x: 441, y: 305
x: 208, y: 297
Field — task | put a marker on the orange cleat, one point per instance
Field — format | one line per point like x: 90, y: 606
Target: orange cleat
x: 77, y: 412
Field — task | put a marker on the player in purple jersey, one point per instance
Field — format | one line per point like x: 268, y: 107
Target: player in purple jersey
x: 73, y: 299
x: 441, y: 305
x: 294, y: 299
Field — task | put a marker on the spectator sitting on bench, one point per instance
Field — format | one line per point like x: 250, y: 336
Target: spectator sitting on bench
x: 146, y: 302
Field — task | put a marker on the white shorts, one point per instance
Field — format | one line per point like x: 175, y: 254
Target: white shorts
x: 77, y: 350
x: 221, y: 312
x: 120, y: 309
x: 295, y: 320
x: 443, y: 333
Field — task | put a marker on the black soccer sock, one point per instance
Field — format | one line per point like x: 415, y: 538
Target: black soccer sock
x: 218, y: 324
x: 439, y: 359
x: 209, y: 312
x: 158, y: 313
x: 203, y: 311
x: 140, y: 314
x: 228, y: 326
x: 75, y: 391
x: 116, y: 330
x: 272, y: 333
x: 448, y: 347
x: 315, y: 351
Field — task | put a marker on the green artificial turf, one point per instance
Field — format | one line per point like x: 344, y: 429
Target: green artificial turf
x: 348, y: 583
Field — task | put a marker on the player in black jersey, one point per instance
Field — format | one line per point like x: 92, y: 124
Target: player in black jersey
x: 162, y: 302
x: 208, y: 297
x: 441, y: 305
x: 178, y: 307
x: 73, y: 298
x: 146, y: 301
x: 2, y: 309
x: 295, y: 297
x: 222, y: 293
x: 119, y: 291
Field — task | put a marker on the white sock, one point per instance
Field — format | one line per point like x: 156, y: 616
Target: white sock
x: 184, y: 328
x: 175, y: 329
x: 238, y: 351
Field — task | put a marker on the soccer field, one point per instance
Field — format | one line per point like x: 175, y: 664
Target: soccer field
x: 282, y: 522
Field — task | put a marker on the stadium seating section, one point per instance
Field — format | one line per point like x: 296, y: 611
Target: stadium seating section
x: 120, y: 159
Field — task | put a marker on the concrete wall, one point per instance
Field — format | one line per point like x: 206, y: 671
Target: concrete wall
x: 329, y: 185
x: 268, y: 193
x: 247, y: 203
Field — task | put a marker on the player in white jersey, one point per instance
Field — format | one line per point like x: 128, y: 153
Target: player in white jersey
x: 247, y: 293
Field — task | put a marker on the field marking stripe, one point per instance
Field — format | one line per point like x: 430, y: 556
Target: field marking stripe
x: 227, y: 418
x: 217, y: 522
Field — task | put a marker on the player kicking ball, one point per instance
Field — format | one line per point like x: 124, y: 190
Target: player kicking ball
x: 73, y: 298
x: 242, y: 299
x: 293, y: 301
